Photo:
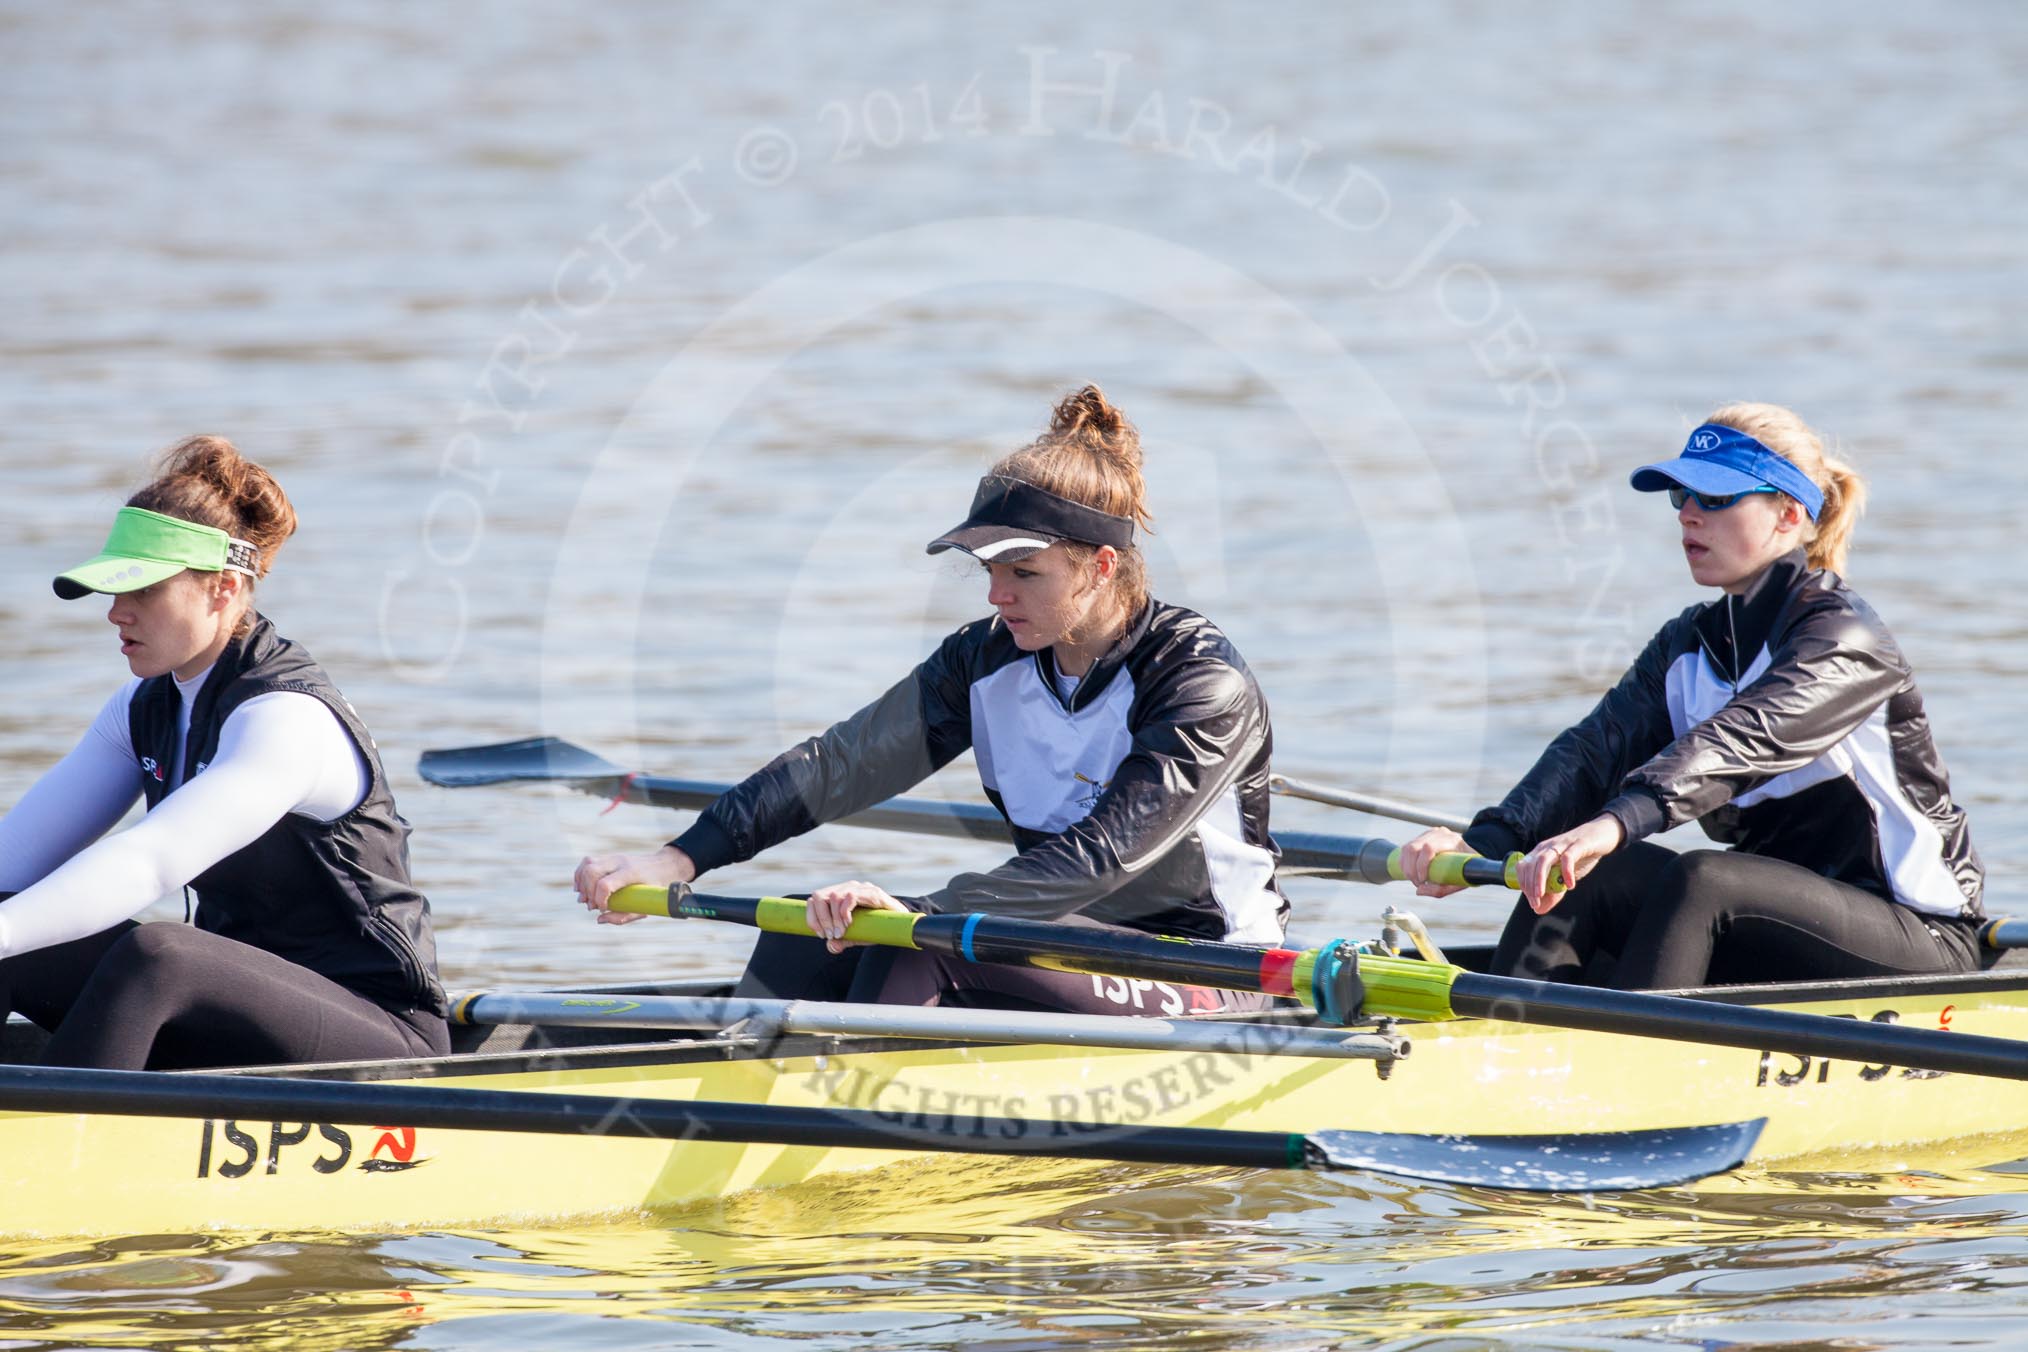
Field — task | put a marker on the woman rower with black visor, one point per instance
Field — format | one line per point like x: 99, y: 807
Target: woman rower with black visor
x: 1782, y: 717
x: 1123, y: 739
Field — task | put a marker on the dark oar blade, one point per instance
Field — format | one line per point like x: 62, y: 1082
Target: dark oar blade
x: 1529, y: 1163
x: 537, y: 758
x: 1603, y: 1161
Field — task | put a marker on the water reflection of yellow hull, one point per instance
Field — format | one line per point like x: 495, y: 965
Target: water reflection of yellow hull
x: 1051, y: 1248
x: 64, y: 1174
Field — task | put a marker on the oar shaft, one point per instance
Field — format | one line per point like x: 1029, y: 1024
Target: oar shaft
x: 1341, y: 984
x: 1328, y: 979
x: 916, y: 816
x: 997, y: 940
x: 1379, y: 861
x: 1371, y: 804
x: 1644, y: 1014
x: 153, y: 1094
x: 550, y: 759
x: 2004, y: 932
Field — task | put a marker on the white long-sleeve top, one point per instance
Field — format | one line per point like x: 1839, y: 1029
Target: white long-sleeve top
x: 277, y: 753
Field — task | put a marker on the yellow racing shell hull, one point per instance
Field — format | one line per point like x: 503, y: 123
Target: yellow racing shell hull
x: 70, y: 1174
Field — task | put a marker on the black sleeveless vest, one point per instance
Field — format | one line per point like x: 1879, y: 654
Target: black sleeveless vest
x: 330, y: 896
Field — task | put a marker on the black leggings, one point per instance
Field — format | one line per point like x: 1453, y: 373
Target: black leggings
x: 791, y: 967
x: 168, y: 996
x: 1648, y: 918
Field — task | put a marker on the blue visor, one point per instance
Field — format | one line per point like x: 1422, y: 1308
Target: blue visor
x: 1725, y: 460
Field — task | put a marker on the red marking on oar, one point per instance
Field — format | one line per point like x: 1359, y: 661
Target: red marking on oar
x: 621, y: 797
x: 1278, y: 971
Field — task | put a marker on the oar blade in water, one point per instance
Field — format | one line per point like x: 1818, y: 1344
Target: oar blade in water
x: 1603, y: 1161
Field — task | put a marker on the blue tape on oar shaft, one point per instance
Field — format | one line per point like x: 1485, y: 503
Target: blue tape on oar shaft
x: 965, y: 936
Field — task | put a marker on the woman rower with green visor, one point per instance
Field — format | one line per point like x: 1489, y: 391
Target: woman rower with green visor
x: 265, y: 797
x: 1784, y: 719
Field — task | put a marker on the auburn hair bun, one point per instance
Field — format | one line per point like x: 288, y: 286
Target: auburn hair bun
x: 205, y: 479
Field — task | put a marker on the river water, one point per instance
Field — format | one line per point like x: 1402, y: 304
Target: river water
x: 620, y: 361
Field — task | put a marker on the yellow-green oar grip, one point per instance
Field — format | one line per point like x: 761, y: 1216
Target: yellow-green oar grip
x: 780, y: 915
x: 640, y: 899
x: 1445, y: 870
x: 1459, y: 869
x: 890, y: 929
x: 1556, y: 883
x: 1448, y: 870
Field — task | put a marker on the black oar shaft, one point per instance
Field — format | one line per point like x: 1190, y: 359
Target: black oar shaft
x: 1315, y: 976
x: 1122, y: 953
x: 1644, y: 1014
x: 1341, y: 985
x: 917, y: 816
x: 1583, y: 1161
x: 2004, y: 932
x: 1018, y: 943
x: 153, y: 1094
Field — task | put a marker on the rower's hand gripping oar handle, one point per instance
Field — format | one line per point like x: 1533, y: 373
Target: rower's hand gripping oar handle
x: 1379, y: 861
x: 1455, y: 869
x: 777, y: 915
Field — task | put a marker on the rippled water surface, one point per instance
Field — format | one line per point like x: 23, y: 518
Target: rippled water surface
x: 621, y: 358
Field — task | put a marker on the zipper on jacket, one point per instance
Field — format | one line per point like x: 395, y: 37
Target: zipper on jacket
x: 1730, y: 670
x: 1732, y: 630
x: 1049, y: 673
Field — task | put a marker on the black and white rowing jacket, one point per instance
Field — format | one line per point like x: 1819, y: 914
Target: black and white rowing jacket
x: 1140, y: 798
x: 1787, y: 723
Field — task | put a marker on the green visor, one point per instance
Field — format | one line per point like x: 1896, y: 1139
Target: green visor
x: 146, y: 547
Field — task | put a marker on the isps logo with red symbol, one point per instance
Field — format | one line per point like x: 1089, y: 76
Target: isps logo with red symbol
x: 227, y: 1148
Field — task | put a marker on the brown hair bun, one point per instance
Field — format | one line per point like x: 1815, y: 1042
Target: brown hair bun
x: 1091, y: 454
x: 205, y: 479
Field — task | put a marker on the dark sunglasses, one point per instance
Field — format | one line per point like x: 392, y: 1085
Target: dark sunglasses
x: 1712, y: 502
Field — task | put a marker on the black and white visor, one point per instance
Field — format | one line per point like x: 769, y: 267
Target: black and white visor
x: 1012, y: 519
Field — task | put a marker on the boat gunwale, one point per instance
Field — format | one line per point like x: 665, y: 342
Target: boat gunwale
x: 704, y: 1047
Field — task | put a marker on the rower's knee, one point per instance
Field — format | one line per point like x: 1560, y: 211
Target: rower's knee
x: 153, y: 951
x: 1694, y: 885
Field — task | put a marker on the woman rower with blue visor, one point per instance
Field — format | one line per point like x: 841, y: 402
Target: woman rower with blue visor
x: 1780, y: 716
